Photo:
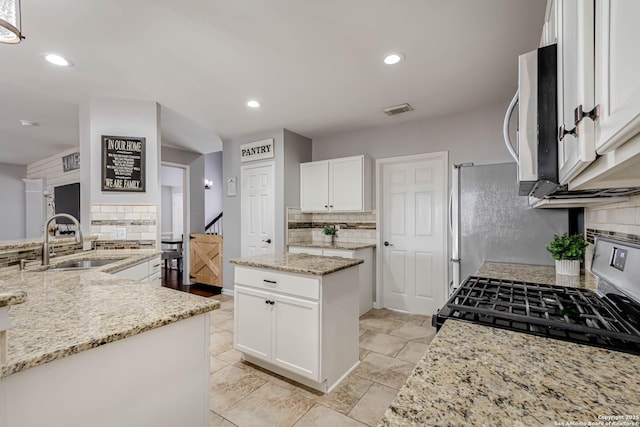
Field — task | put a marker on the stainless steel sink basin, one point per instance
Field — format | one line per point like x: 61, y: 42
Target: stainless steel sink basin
x: 83, y: 264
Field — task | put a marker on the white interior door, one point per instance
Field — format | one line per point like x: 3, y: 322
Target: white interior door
x: 413, y: 223
x: 257, y: 206
x: 177, y: 218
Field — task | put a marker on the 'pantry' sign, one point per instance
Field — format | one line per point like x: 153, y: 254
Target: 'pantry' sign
x: 256, y: 150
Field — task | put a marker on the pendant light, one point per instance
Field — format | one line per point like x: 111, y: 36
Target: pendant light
x: 10, y: 22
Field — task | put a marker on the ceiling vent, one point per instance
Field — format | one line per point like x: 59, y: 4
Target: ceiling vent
x: 397, y: 109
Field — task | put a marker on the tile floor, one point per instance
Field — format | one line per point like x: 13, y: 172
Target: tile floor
x: 245, y: 395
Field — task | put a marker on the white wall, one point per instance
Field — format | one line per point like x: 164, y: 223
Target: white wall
x: 51, y: 172
x: 290, y: 150
x: 213, y: 197
x: 474, y: 136
x: 12, y: 214
x: 121, y: 117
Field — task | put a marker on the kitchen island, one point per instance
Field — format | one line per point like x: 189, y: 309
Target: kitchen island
x: 297, y: 315
x: 91, y: 348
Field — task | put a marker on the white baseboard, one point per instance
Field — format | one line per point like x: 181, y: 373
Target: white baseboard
x: 226, y: 291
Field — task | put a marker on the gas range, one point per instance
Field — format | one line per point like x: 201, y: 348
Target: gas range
x: 609, y: 317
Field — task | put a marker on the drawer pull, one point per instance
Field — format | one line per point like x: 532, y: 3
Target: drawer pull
x: 156, y: 265
x: 270, y: 281
x: 269, y: 302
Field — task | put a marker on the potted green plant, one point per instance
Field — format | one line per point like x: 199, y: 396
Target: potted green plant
x: 568, y: 251
x: 329, y: 231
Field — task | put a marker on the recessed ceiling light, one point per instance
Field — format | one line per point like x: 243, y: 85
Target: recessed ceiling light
x: 393, y: 58
x: 28, y: 123
x: 56, y: 60
x: 253, y: 104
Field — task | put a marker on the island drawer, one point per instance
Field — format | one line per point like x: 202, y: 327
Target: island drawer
x: 292, y: 284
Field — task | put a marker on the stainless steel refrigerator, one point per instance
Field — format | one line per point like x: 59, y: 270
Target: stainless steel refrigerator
x: 490, y: 222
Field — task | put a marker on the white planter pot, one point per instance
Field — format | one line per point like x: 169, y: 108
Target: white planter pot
x: 327, y: 238
x: 568, y: 267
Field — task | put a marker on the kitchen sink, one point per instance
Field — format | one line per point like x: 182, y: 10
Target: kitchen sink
x: 83, y: 264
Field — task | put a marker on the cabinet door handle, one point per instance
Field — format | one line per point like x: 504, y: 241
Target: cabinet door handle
x: 270, y: 281
x: 272, y: 302
x: 562, y: 131
x: 266, y: 301
x: 331, y: 206
x: 580, y: 114
x: 326, y: 206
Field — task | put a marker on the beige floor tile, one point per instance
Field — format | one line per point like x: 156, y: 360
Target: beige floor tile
x: 221, y: 341
x: 412, y: 352
x: 320, y: 416
x: 222, y: 297
x: 371, y: 407
x: 216, y: 364
x: 362, y: 331
x: 375, y: 313
x: 230, y: 356
x: 216, y: 317
x: 270, y: 376
x: 344, y: 397
x: 427, y: 322
x: 412, y: 332
x: 229, y: 385
x: 381, y: 343
x: 227, y: 325
x: 363, y: 353
x: 416, y: 319
x: 384, y: 369
x: 382, y: 325
x: 270, y: 405
x: 426, y: 340
x: 217, y: 421
x: 226, y: 306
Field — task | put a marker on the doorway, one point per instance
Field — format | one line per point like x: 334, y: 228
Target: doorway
x: 412, y: 239
x: 257, y: 207
x: 174, y: 213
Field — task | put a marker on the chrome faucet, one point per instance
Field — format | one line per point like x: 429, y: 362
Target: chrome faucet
x: 45, y: 246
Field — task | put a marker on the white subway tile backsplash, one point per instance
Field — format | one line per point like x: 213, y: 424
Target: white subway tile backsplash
x: 125, y: 209
x: 153, y: 208
x: 108, y: 208
x: 148, y: 236
x: 142, y: 208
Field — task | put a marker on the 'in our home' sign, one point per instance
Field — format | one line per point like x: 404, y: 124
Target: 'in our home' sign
x: 257, y: 150
x: 123, y: 163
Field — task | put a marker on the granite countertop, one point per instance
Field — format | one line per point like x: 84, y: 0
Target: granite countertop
x: 479, y: 375
x: 23, y: 244
x: 12, y: 298
x: 537, y: 274
x: 335, y: 245
x: 68, y: 312
x: 298, y: 263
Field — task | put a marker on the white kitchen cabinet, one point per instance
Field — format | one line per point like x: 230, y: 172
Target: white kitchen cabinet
x: 146, y: 271
x: 337, y: 185
x: 575, y: 86
x: 314, y: 186
x: 366, y: 283
x: 303, y: 327
x: 550, y: 28
x: 617, y: 72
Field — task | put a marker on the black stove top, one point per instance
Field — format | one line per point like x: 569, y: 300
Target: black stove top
x: 571, y: 314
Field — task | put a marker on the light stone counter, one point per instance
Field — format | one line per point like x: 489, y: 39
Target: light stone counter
x: 12, y: 298
x: 537, y: 274
x: 73, y: 311
x: 478, y: 375
x: 334, y: 245
x: 298, y: 263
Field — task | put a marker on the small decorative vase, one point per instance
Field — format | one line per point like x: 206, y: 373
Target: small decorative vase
x: 327, y: 238
x: 567, y: 267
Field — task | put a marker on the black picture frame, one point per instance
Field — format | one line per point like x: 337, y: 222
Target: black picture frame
x: 123, y: 164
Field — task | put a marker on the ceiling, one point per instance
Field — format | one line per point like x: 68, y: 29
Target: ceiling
x: 315, y: 66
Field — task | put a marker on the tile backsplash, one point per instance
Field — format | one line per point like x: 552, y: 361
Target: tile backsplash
x: 358, y: 227
x: 616, y: 220
x: 125, y: 224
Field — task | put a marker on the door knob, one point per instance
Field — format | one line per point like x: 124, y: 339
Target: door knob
x: 268, y: 241
x: 387, y: 244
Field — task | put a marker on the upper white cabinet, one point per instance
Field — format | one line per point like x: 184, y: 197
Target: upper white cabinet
x: 576, y: 144
x: 599, y: 93
x: 337, y: 185
x: 617, y: 72
x: 550, y: 28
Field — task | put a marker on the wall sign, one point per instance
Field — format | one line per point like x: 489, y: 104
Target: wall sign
x: 71, y: 162
x: 123, y: 164
x: 257, y: 150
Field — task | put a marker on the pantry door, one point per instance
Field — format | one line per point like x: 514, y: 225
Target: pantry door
x: 413, y: 244
x: 257, y: 209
